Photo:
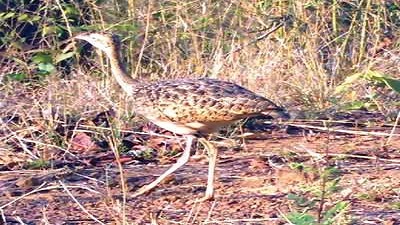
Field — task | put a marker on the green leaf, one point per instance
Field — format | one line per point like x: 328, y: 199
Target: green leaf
x: 46, y: 67
x: 38, y: 164
x: 23, y: 17
x: 297, y: 166
x: 332, y: 172
x: 348, y: 82
x: 300, y: 201
x: 126, y: 27
x: 370, y: 75
x: 70, y: 10
x: 301, y: 218
x: 355, y: 105
x: 42, y: 57
x: 49, y: 30
x: 392, y: 83
x: 7, y: 15
x: 329, y: 215
x: 17, y: 76
x: 36, y: 18
x: 63, y: 56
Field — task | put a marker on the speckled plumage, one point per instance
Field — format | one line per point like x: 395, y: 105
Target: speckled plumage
x: 209, y: 101
x: 202, y: 100
x: 184, y: 106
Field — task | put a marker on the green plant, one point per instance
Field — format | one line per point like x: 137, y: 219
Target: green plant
x: 329, y: 217
x: 38, y: 164
x: 374, y: 77
x: 311, y: 205
x: 32, y: 33
x: 371, y: 100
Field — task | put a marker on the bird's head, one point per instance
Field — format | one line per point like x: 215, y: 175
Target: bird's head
x: 106, y: 42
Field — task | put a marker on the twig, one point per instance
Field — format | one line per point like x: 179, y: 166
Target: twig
x: 367, y: 133
x: 364, y: 157
x: 191, y: 212
x: 79, y: 204
x: 393, y: 129
x: 146, y: 33
x: 240, y: 220
x: 285, y: 217
x: 312, y: 153
x: 283, y: 21
x: 348, y: 155
x: 39, y: 189
x: 23, y: 196
x: 43, y: 144
x: 23, y: 145
x: 210, y: 212
x: 20, y: 220
x: 90, y: 178
x: 113, y: 144
x: 302, y: 121
x: 130, y: 132
x: 35, y: 172
x: 13, y: 133
x: 3, y: 217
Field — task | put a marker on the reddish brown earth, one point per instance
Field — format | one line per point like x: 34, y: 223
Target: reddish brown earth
x: 252, y: 186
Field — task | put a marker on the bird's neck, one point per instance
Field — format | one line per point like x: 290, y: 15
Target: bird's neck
x: 119, y: 72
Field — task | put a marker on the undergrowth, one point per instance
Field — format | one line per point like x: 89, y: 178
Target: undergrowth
x: 304, y: 64
x: 327, y: 57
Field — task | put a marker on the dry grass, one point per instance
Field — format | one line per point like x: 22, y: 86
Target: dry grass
x: 299, y: 66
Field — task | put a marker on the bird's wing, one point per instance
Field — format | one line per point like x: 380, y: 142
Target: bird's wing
x: 205, y: 100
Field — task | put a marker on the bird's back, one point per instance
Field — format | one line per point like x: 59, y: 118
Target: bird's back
x: 200, y: 100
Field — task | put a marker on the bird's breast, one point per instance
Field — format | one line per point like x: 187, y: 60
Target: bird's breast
x: 189, y: 127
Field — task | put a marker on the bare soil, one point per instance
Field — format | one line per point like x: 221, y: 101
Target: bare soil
x: 252, y: 187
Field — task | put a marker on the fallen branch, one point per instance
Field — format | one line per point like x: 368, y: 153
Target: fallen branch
x: 367, y: 133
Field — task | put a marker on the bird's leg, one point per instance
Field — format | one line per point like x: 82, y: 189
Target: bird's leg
x: 180, y: 162
x: 212, y: 157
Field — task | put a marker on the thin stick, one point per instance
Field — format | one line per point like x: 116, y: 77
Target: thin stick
x: 38, y: 189
x: 130, y: 132
x: 23, y: 196
x: 23, y: 145
x: 3, y: 217
x: 256, y: 40
x: 239, y: 220
x: 146, y: 33
x: 43, y: 144
x: 393, y: 129
x: 285, y: 217
x: 367, y: 133
x: 79, y: 204
x: 335, y: 121
x: 112, y: 141
x: 191, y: 212
x: 210, y: 212
x: 313, y: 153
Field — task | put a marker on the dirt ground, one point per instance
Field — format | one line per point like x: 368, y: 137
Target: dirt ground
x: 254, y: 184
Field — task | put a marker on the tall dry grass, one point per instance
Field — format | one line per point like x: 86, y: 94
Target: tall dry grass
x: 45, y: 88
x: 300, y: 65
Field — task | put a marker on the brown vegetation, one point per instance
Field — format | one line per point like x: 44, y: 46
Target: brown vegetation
x: 72, y: 150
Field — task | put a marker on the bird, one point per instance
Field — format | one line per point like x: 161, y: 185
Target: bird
x: 191, y: 107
